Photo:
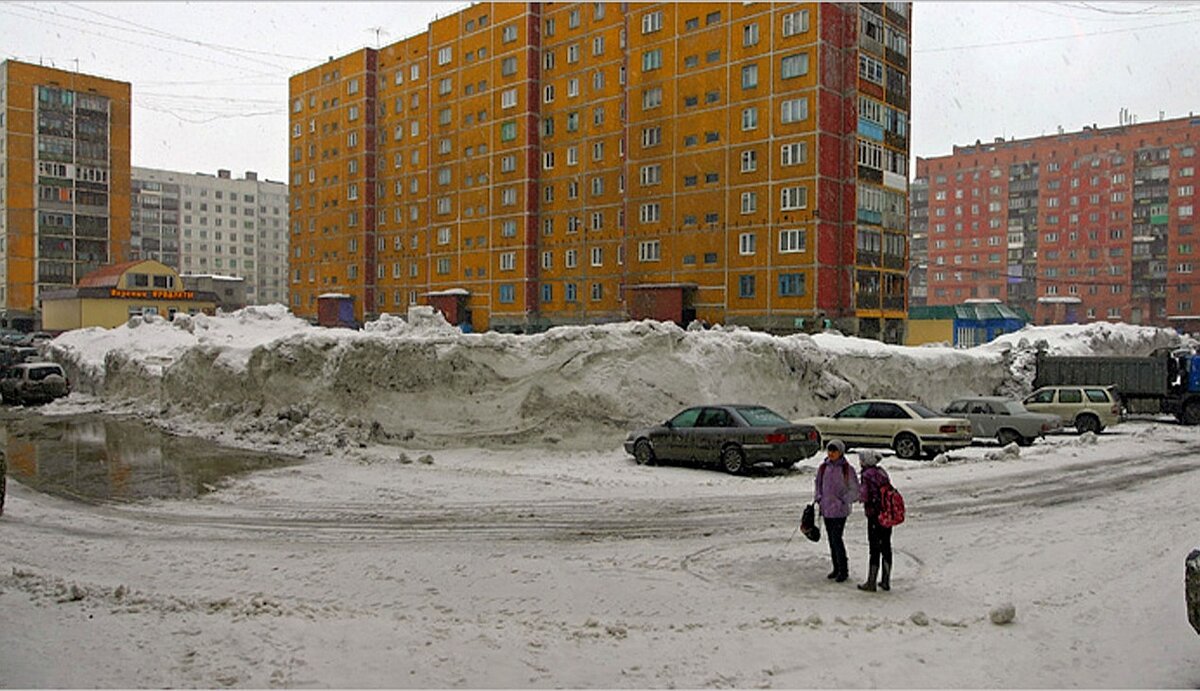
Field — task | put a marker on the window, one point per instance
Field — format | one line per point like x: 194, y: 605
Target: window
x: 597, y: 256
x: 791, y: 285
x: 747, y: 243
x: 508, y: 261
x: 794, y: 66
x: 573, y: 19
x: 598, y: 45
x: 651, y: 175
x: 570, y: 289
x: 793, y: 198
x: 792, y: 240
x: 795, y: 23
x: 651, y: 136
x: 508, y: 66
x: 508, y: 196
x: 750, y: 118
x: 547, y: 160
x: 749, y: 202
x: 649, y: 251
x: 749, y: 76
x: 508, y: 293
x: 508, y: 131
x: 651, y: 22
x: 573, y: 87
x: 794, y: 110
x: 571, y: 259
x: 749, y: 161
x: 750, y: 35
x: 651, y: 60
x: 573, y: 53
x: 508, y: 97
x: 509, y: 34
x: 652, y: 98
x: 351, y: 192
x: 445, y: 55
x: 650, y: 212
x: 870, y: 69
x: 793, y: 154
x: 746, y: 286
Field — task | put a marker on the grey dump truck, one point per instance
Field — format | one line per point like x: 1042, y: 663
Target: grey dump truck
x: 1163, y: 382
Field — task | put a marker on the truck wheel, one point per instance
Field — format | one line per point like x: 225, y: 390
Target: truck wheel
x: 1191, y: 413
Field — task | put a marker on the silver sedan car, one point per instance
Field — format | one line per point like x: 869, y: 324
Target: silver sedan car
x: 1003, y: 419
x: 733, y: 436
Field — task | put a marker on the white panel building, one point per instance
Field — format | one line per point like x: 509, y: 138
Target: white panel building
x: 225, y: 226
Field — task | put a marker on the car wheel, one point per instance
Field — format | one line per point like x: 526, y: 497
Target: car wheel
x: 733, y: 460
x: 1088, y: 423
x: 643, y: 453
x: 1008, y: 436
x: 907, y: 446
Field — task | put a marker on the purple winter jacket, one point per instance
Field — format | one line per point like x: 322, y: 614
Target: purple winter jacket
x: 873, y: 478
x: 836, y: 488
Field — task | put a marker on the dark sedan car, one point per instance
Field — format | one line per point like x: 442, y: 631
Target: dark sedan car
x: 733, y: 436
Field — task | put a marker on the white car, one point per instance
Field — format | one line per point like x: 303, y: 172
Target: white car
x: 908, y: 427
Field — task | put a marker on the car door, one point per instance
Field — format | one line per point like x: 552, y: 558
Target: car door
x: 1041, y: 401
x: 984, y: 418
x: 884, y: 420
x: 671, y: 441
x: 847, y: 424
x: 1068, y: 404
x: 704, y: 443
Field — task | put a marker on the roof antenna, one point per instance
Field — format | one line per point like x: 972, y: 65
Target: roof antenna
x: 379, y: 31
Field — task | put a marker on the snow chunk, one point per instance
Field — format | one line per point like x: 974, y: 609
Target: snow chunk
x: 1006, y: 453
x: 1003, y: 614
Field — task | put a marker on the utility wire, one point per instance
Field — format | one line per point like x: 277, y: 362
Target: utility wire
x: 1046, y: 39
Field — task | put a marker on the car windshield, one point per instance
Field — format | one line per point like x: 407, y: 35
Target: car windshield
x: 759, y: 416
x: 923, y: 411
x: 1015, y: 408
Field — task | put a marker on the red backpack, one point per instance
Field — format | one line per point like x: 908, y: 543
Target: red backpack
x: 891, y: 506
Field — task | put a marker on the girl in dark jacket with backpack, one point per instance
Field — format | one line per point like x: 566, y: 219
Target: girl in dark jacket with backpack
x: 872, y: 480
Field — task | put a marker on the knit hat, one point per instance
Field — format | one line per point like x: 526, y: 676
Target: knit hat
x: 836, y: 444
x: 868, y: 458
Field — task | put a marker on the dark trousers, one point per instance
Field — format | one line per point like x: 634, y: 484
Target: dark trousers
x: 834, y: 528
x: 879, y: 542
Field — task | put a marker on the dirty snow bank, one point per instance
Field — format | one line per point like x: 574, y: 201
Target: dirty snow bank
x: 271, y: 375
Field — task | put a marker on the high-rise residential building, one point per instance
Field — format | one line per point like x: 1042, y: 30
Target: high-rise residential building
x: 525, y: 165
x: 199, y: 223
x: 64, y: 182
x: 1097, y: 224
x: 918, y: 243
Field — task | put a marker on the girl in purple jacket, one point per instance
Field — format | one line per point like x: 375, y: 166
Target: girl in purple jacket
x: 836, y: 491
x: 878, y: 537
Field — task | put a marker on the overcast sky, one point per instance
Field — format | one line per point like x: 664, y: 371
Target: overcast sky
x: 210, y: 79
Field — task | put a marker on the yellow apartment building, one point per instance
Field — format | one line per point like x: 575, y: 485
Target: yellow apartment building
x: 522, y: 165
x: 64, y: 183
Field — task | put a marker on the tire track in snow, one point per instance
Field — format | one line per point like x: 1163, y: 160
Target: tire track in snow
x: 588, y: 520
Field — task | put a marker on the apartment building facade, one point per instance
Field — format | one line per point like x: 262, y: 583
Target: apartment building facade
x: 526, y: 165
x: 1083, y: 226
x: 204, y: 224
x: 64, y: 182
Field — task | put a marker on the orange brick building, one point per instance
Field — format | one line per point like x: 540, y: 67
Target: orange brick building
x: 526, y: 165
x: 1081, y: 226
x: 64, y: 185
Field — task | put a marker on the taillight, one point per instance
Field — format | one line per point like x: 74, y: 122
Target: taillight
x: 1116, y: 409
x: 813, y: 435
x: 776, y: 438
x: 948, y: 429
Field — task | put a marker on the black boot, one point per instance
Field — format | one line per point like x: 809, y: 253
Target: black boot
x: 885, y: 578
x: 833, y: 574
x: 872, y: 570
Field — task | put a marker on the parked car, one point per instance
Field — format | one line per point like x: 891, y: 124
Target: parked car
x: 34, y: 382
x: 733, y: 436
x: 1003, y: 419
x: 1086, y: 408
x: 908, y: 427
x: 12, y: 355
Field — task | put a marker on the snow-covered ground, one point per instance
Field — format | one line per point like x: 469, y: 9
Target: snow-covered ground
x: 465, y: 517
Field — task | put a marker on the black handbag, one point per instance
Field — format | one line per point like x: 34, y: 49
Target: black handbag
x: 808, y: 523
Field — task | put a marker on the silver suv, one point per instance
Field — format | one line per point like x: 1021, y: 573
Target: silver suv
x: 1086, y: 408
x: 34, y: 382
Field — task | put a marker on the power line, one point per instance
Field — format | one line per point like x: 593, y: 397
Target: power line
x: 1047, y: 39
x: 204, y: 44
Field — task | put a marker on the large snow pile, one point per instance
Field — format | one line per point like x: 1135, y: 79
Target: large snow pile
x: 267, y: 373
